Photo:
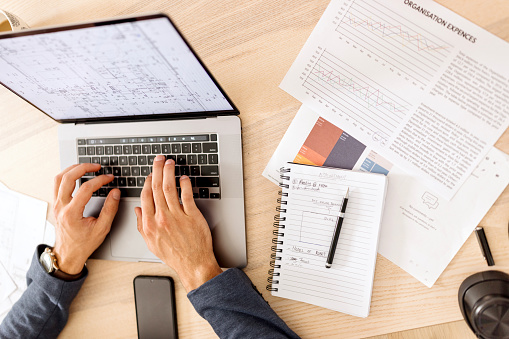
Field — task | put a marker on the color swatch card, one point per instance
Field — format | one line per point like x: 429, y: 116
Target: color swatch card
x: 311, y: 200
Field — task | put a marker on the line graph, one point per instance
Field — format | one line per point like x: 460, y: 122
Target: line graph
x: 356, y: 95
x: 393, y: 40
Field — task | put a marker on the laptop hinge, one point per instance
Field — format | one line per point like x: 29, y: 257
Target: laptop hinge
x: 145, y: 120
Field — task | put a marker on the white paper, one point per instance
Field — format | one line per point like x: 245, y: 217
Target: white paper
x: 49, y: 234
x: 313, y: 205
x: 22, y: 228
x: 7, y: 286
x: 427, y: 90
x: 421, y: 232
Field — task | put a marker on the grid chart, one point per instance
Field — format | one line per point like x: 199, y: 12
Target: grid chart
x: 357, y: 96
x: 400, y: 43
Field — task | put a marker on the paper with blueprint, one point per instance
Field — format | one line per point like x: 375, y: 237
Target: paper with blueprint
x: 22, y: 227
x: 412, y: 80
x: 421, y: 232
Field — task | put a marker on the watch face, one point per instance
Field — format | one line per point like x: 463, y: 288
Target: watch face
x: 46, y: 261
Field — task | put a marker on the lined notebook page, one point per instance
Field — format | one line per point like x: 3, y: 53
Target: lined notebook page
x: 313, y: 205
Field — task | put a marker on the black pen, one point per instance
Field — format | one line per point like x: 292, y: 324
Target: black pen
x: 483, y: 243
x: 337, y: 230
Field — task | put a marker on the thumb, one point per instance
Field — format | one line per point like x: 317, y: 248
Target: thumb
x: 109, y: 209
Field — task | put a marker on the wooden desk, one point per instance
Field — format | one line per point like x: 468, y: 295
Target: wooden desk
x: 249, y: 47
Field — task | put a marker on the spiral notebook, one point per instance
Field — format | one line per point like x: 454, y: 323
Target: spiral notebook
x: 309, y: 206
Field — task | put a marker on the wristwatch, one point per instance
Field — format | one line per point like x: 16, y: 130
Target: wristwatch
x: 50, y: 265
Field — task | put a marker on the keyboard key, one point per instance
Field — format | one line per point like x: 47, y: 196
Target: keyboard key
x: 145, y: 171
x: 117, y: 171
x: 96, y: 160
x: 114, y: 183
x: 210, y: 147
x: 99, y: 150
x: 140, y: 181
x: 133, y: 160
x: 210, y: 170
x: 146, y: 149
x: 181, y: 160
x: 99, y: 172
x: 108, y: 170
x: 161, y: 139
x: 142, y: 160
x: 195, y: 171
x: 117, y: 150
x: 193, y: 181
x: 177, y: 171
x: 113, y: 161
x: 131, y: 181
x: 90, y: 150
x: 172, y: 157
x: 127, y: 149
x: 136, y: 149
x: 122, y: 182
x: 207, y: 182
x: 108, y: 150
x: 213, y: 159
x: 84, y: 160
x: 215, y: 195
x: 156, y: 149
x: 150, y: 159
x: 130, y: 192
x: 122, y: 161
x: 135, y: 171
x: 166, y: 148
x: 196, y: 195
x: 105, y: 161
x: 213, y: 137
x: 192, y: 159
x: 102, y: 192
x: 83, y: 180
x: 202, y: 159
x: 184, y: 170
x: 82, y: 151
x: 204, y: 193
x: 81, y: 142
x: 126, y: 171
x: 175, y: 148
x: 177, y: 180
x: 196, y: 148
x: 186, y: 148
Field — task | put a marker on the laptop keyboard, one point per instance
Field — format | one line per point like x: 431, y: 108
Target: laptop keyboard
x: 130, y: 160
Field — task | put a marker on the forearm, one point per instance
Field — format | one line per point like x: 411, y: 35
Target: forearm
x: 43, y: 309
x: 235, y: 309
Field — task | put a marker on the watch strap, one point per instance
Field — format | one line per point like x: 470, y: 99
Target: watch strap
x: 65, y: 276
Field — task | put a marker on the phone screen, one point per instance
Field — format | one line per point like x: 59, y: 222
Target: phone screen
x: 155, y: 307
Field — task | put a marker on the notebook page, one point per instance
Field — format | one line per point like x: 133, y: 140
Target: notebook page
x: 313, y: 203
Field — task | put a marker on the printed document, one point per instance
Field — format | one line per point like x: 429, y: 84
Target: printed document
x: 417, y: 83
x: 421, y: 232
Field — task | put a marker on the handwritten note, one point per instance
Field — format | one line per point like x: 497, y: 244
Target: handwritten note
x: 313, y: 206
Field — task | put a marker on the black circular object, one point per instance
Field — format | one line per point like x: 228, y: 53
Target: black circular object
x: 484, y: 303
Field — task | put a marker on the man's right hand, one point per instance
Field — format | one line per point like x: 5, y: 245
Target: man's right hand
x: 178, y: 234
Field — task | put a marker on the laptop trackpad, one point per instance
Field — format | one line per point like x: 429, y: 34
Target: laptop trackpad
x: 126, y: 241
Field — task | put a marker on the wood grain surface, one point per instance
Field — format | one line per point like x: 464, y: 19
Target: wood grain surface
x: 248, y: 46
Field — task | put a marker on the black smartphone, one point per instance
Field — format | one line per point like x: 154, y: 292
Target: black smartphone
x: 156, y: 315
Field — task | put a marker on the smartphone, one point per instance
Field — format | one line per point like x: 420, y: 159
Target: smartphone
x: 156, y: 315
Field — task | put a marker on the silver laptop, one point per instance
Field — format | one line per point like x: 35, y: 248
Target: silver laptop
x: 124, y: 91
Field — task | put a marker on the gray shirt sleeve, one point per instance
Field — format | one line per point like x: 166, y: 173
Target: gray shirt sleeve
x: 235, y: 309
x: 43, y: 309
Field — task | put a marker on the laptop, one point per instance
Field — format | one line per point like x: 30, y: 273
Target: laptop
x: 124, y: 91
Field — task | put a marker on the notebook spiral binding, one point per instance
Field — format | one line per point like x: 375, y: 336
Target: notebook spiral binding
x: 278, y: 233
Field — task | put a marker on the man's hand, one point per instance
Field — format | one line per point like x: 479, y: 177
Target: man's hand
x: 178, y: 234
x: 78, y: 237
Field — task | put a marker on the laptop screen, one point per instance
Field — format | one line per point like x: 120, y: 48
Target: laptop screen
x: 138, y: 67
